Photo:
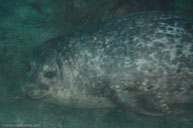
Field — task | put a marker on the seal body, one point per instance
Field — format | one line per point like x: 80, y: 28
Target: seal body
x: 142, y: 62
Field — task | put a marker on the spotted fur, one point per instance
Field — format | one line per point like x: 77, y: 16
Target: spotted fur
x: 142, y: 62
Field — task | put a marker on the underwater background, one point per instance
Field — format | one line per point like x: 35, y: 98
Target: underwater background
x: 24, y: 24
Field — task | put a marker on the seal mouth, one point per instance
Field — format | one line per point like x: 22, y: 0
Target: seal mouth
x: 35, y: 93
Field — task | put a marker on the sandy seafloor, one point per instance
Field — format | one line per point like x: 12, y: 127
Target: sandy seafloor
x: 26, y: 24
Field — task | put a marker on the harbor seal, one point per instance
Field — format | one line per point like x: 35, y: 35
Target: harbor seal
x: 141, y: 62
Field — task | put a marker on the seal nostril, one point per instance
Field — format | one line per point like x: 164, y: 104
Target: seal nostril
x: 25, y: 91
x: 28, y: 88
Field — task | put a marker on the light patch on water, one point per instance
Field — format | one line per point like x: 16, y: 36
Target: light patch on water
x: 187, y: 50
x: 163, y: 40
x: 135, y: 39
x: 46, y: 67
x: 160, y: 31
x: 140, y: 63
x: 172, y: 53
x: 164, y: 18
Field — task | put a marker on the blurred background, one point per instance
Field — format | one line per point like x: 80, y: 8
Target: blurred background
x: 24, y: 24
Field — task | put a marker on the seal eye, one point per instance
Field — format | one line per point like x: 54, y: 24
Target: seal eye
x: 49, y: 74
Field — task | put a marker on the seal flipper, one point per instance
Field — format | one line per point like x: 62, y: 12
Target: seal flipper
x: 160, y: 103
x: 129, y: 101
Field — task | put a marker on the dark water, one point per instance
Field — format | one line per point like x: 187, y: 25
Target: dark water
x: 25, y: 24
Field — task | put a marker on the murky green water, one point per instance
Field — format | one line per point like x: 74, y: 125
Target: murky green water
x: 25, y: 24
